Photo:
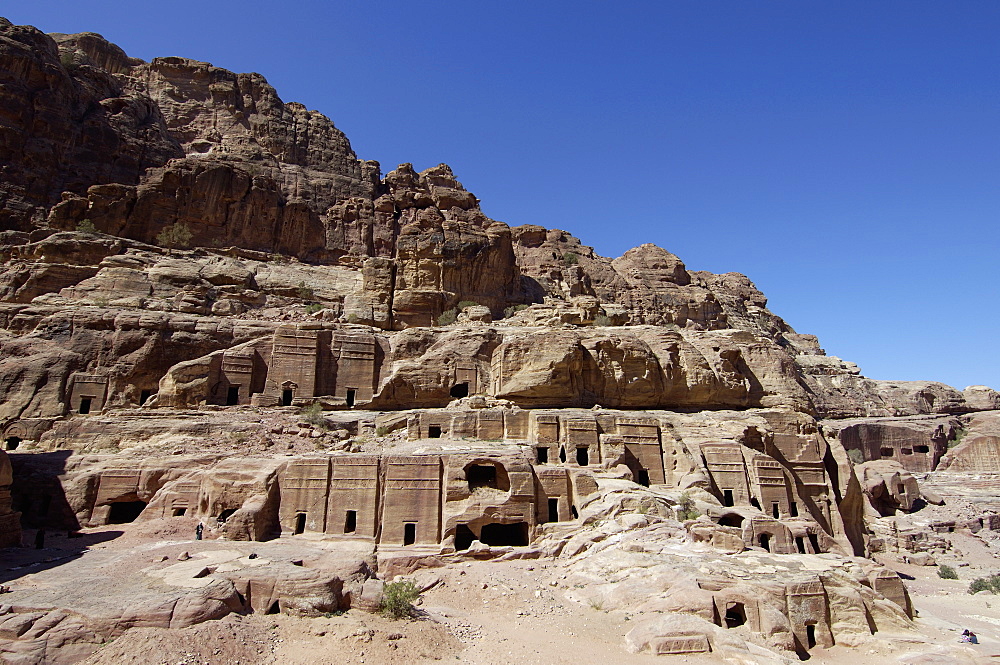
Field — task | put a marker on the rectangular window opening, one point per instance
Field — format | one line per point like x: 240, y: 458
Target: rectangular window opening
x: 409, y: 533
x: 727, y: 498
x: 542, y: 455
x: 352, y: 394
x: 582, y: 456
x: 554, y: 510
x: 233, y: 396
x: 794, y: 509
x: 179, y: 512
x: 775, y: 509
x: 434, y: 432
x: 85, y: 403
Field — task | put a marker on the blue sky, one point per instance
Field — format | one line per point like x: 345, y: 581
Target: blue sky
x: 845, y: 155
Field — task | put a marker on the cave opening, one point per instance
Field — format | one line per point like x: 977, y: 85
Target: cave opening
x: 226, y: 514
x: 736, y: 615
x: 434, y: 432
x: 504, y: 534
x: 460, y: 390
x: 13, y: 442
x: 463, y: 537
x: 765, y: 541
x: 124, y: 512
x: 731, y: 519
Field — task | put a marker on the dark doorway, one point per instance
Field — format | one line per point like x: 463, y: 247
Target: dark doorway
x: 179, y: 512
x: 85, y: 404
x: 731, y: 519
x: 886, y: 452
x: 460, y: 390
x: 226, y: 514
x: 463, y: 537
x: 562, y: 454
x: 351, y: 521
x: 481, y: 475
x: 800, y: 544
x: 124, y: 512
x: 504, y: 534
x: 921, y: 449
x: 286, y: 398
x: 582, y: 456
x: 300, y: 523
x: 736, y: 615
x: 144, y: 396
x: 814, y: 541
x: 541, y: 454
x: 409, y: 533
x: 434, y: 432
x: 810, y: 636
x: 765, y: 541
x: 793, y: 509
x: 554, y: 510
x: 775, y: 510
x: 643, y: 478
x: 233, y: 396
x: 352, y: 395
x: 13, y: 442
x: 727, y: 498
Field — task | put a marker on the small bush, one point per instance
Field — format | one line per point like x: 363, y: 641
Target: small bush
x: 447, y: 317
x: 173, y: 236
x: 304, y: 292
x: 686, y: 509
x: 856, y: 456
x: 86, y: 226
x: 947, y: 572
x: 466, y: 303
x: 381, y: 430
x: 991, y: 584
x: 398, y: 598
x: 313, y: 414
x: 602, y: 320
x: 512, y: 310
x: 570, y: 259
x: 314, y: 307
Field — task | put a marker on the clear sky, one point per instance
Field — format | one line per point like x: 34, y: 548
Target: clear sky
x: 843, y: 154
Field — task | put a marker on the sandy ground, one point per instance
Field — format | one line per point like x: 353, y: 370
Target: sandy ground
x: 479, y: 613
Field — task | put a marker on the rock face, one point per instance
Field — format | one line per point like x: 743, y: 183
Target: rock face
x: 212, y: 310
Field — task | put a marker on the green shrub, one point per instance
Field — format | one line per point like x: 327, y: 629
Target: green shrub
x: 686, y: 509
x: 314, y: 307
x: 466, y: 303
x: 381, y: 430
x: 173, y: 236
x: 447, y: 317
x: 512, y: 310
x: 947, y: 572
x: 856, y: 456
x: 602, y: 320
x: 304, y: 292
x: 991, y: 584
x: 398, y: 598
x: 570, y: 259
x: 86, y: 226
x: 313, y: 414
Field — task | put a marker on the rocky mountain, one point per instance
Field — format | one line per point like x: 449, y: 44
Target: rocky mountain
x: 212, y: 309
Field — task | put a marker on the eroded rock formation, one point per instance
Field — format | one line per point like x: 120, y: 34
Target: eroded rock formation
x: 369, y: 360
